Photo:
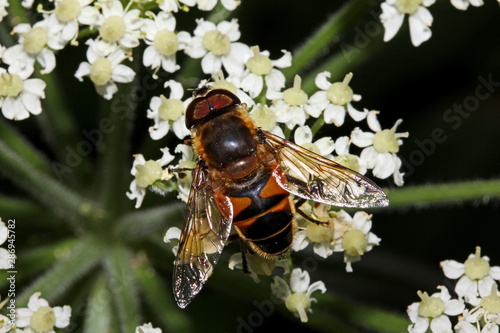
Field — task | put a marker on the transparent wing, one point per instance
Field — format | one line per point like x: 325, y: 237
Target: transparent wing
x: 313, y: 177
x: 202, y: 240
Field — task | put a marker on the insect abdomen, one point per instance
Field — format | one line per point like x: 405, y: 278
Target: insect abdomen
x: 263, y: 215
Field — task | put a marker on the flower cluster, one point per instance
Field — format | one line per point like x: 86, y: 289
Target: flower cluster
x: 119, y: 30
x: 419, y: 17
x: 38, y: 317
x: 477, y: 305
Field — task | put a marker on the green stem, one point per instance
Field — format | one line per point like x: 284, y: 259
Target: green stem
x: 139, y: 224
x: 23, y: 147
x: 355, y: 315
x: 337, y: 64
x: 155, y: 292
x: 123, y: 287
x: 60, y: 199
x: 82, y: 258
x: 112, y: 173
x: 316, y: 45
x: 442, y: 193
x: 99, y: 309
x: 317, y: 125
x: 58, y: 125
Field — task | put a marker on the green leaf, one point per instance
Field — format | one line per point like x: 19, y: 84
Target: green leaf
x: 123, y: 287
x: 160, y: 299
x: 53, y: 284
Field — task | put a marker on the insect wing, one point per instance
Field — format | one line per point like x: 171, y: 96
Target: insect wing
x: 313, y: 177
x: 202, y: 240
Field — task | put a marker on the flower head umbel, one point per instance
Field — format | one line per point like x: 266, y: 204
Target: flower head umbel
x: 297, y: 293
x: 476, y: 276
x: 146, y: 173
x: 420, y: 19
x: 68, y: 15
x: 20, y: 97
x: 168, y: 112
x: 335, y: 99
x: 217, y: 46
x: 33, y: 46
x: 163, y: 42
x: 118, y: 25
x: 260, y: 68
x: 484, y: 318
x: 433, y: 311
x: 39, y: 317
x: 336, y: 231
x: 380, y: 148
x: 289, y: 108
x: 104, y: 67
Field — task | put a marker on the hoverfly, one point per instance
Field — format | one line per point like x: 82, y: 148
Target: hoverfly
x: 243, y: 178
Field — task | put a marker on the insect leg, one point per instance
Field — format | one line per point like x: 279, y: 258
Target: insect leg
x: 243, y: 256
x: 299, y: 203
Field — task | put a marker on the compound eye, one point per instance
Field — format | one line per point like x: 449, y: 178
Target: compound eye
x: 220, y: 98
x: 197, y: 110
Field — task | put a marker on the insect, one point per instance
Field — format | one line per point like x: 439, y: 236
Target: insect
x: 244, y: 177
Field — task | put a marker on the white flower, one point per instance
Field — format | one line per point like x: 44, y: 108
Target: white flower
x: 289, y: 108
x: 4, y: 254
x: 464, y: 4
x: 420, y: 19
x: 32, y: 46
x: 166, y: 112
x: 322, y: 236
x: 217, y: 45
x: 297, y: 296
x: 357, y: 238
x: 206, y: 5
x: 433, y: 311
x: 341, y: 233
x: 476, y: 276
x: 104, y: 68
x: 3, y: 10
x: 147, y: 328
x: 146, y: 173
x: 260, y: 68
x: 347, y: 159
x: 5, y: 324
x: 265, y: 118
x: 67, y: 15
x: 163, y: 42
x: 40, y: 317
x: 323, y: 146
x: 173, y: 235
x: 27, y: 3
x: 18, y: 97
x: 380, y: 148
x: 119, y: 25
x: 335, y: 99
x: 257, y: 265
